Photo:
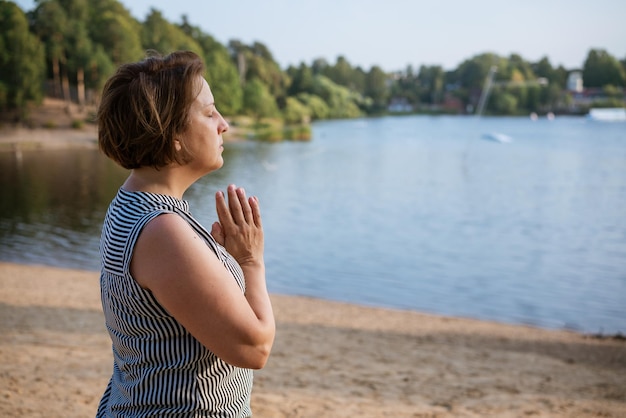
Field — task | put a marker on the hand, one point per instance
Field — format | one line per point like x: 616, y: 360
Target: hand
x: 239, y: 229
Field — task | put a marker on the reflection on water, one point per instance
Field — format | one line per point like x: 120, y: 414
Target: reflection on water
x: 412, y: 212
x: 53, y: 202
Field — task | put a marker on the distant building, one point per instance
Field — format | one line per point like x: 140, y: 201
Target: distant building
x: 452, y: 104
x: 575, y: 81
x: 399, y: 105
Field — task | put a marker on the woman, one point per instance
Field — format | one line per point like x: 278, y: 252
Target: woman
x: 188, y: 311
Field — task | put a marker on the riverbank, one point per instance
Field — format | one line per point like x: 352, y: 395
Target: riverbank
x: 329, y: 359
x: 27, y: 139
x: 55, y: 125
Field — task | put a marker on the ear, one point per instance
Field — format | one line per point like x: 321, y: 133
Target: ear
x: 177, y: 145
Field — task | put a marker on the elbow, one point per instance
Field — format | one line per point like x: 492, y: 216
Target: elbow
x: 251, y: 353
x: 262, y: 348
x: 252, y: 357
x: 260, y: 357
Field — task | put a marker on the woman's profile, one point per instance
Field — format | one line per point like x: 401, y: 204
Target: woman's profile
x: 187, y: 309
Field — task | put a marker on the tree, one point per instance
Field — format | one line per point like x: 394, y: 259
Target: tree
x: 221, y: 72
x: 341, y: 101
x: 318, y: 109
x: 98, y: 70
x: 256, y: 61
x: 295, y: 112
x: 319, y: 65
x: 112, y: 26
x: 471, y: 73
x: 518, y: 69
x: 164, y: 37
x: 22, y: 62
x: 543, y: 68
x: 301, y: 80
x: 78, y: 45
x: 258, y: 101
x: 49, y: 22
x: 406, y: 86
x: 601, y: 68
x: 431, y: 83
x: 376, y: 89
x: 503, y: 103
x: 341, y: 73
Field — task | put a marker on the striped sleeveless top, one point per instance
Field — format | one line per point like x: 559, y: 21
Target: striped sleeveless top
x: 159, y: 368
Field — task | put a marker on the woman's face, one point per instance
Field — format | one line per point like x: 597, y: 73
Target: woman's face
x: 203, y: 135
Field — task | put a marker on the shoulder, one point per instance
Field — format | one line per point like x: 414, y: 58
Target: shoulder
x: 164, y: 225
x: 165, y: 245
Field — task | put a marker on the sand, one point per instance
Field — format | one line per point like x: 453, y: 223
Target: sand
x: 329, y: 360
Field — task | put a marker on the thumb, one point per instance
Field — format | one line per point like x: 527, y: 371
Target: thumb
x: 217, y: 233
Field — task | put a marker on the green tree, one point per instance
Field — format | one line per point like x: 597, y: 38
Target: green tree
x: 160, y: 35
x: 503, y: 103
x: 319, y: 66
x: 256, y: 62
x: 342, y: 102
x: 405, y: 85
x: 221, y: 72
x: 81, y: 55
x: 471, y: 74
x: 431, y: 83
x: 258, y: 101
x: 341, y: 73
x: 78, y: 45
x: 112, y: 26
x: 301, y: 80
x: 295, y: 112
x: 49, y: 23
x: 601, y: 68
x: 318, y: 109
x: 22, y: 61
x: 518, y: 69
x: 376, y: 89
x: 99, y: 68
x: 543, y: 68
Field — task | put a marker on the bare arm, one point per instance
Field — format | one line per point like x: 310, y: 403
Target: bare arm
x: 187, y: 278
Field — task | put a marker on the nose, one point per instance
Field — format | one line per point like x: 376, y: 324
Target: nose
x: 223, y: 127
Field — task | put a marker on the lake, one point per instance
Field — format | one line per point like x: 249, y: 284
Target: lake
x: 431, y: 214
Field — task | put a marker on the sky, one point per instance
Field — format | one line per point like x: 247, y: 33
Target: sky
x: 395, y: 33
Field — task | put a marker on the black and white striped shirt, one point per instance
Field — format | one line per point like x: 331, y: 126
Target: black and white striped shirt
x: 159, y: 368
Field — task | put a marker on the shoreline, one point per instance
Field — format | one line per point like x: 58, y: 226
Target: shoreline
x: 330, y: 359
x: 27, y: 139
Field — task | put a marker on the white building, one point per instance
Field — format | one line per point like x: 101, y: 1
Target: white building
x: 575, y: 81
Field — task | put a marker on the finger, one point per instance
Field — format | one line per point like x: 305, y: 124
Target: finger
x: 216, y: 233
x: 223, y: 213
x: 234, y: 205
x: 245, y: 205
x: 256, y: 211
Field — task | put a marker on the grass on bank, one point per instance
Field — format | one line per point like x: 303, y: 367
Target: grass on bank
x: 269, y: 129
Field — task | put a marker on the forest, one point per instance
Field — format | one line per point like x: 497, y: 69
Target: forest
x: 66, y: 49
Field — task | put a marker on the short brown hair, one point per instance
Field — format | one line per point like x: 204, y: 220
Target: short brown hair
x: 144, y: 106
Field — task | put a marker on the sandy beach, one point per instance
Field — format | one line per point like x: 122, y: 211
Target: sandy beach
x: 329, y: 359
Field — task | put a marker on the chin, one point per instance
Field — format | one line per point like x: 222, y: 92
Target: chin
x: 219, y: 164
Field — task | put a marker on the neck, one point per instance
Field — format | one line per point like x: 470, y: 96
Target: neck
x: 167, y: 180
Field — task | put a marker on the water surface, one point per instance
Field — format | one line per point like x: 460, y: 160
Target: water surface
x: 411, y: 212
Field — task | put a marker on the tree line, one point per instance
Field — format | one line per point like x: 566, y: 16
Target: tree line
x: 68, y: 48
